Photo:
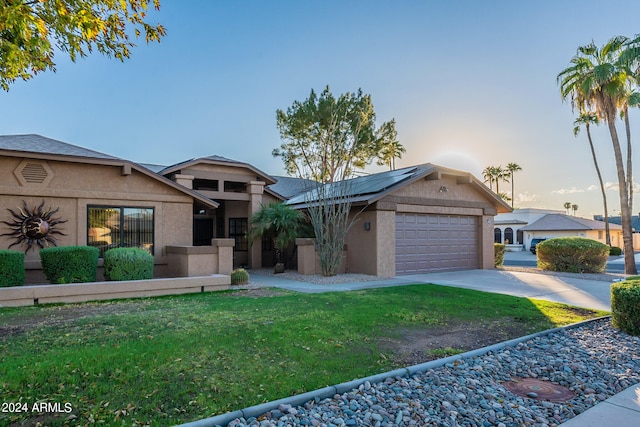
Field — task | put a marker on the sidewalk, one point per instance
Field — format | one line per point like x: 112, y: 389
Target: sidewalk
x: 621, y: 410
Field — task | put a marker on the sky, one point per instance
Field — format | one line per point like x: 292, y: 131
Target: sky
x: 470, y: 84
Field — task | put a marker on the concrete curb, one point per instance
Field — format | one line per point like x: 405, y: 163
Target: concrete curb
x: 323, y: 393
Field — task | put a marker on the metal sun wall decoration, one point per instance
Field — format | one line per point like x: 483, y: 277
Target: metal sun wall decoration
x: 31, y: 226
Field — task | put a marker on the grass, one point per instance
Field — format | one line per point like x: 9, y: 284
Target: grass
x: 169, y: 360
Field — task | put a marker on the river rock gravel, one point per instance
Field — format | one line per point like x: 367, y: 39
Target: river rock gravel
x: 594, y: 361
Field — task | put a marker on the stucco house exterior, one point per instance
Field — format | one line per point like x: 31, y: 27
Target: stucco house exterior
x: 419, y: 219
x: 413, y: 220
x: 522, y: 225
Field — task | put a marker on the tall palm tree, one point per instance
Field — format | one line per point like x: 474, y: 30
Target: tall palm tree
x: 488, y: 174
x: 389, y: 153
x: 511, y: 168
x: 587, y: 119
x: 574, y: 208
x: 597, y: 79
x: 567, y: 206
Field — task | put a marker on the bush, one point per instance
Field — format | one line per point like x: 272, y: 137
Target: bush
x: 70, y: 264
x: 625, y: 306
x: 615, y: 251
x: 128, y: 264
x: 239, y: 276
x: 572, y: 254
x: 11, y: 268
x: 498, y: 254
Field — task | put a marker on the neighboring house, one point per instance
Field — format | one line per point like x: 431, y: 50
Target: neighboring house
x: 508, y: 226
x: 414, y: 220
x: 560, y: 225
x: 418, y: 219
x: 105, y: 201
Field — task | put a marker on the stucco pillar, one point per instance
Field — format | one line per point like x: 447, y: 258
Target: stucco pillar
x: 486, y: 242
x: 306, y: 256
x: 185, y: 180
x: 225, y: 254
x: 385, y: 243
x: 255, y: 190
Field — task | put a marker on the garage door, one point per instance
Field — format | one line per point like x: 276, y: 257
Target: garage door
x: 430, y: 243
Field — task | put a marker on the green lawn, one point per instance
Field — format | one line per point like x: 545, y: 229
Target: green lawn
x: 164, y: 361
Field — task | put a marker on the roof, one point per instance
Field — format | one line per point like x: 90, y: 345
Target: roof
x: 288, y: 186
x: 561, y: 222
x: 33, y: 143
x: 217, y: 160
x: 371, y: 188
x: 42, y: 147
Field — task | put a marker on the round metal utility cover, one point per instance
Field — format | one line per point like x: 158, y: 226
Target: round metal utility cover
x: 538, y: 389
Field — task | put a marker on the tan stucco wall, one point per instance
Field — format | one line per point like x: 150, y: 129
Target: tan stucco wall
x: 74, y: 186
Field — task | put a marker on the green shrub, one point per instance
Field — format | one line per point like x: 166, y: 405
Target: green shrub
x: 239, y: 276
x: 128, y: 264
x: 498, y: 254
x: 572, y: 254
x: 70, y: 264
x: 615, y: 251
x: 11, y: 268
x: 625, y: 306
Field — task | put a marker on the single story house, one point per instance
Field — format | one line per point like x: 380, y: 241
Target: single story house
x: 508, y: 226
x: 413, y: 220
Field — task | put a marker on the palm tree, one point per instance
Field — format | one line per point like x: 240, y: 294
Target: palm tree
x: 279, y: 221
x: 598, y: 79
x: 489, y: 174
x: 574, y: 208
x: 587, y: 119
x: 511, y: 168
x: 567, y: 206
x: 389, y: 153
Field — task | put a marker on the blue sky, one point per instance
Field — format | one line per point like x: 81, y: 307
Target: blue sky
x: 469, y: 83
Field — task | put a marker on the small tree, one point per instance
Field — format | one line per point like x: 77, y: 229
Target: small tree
x: 279, y: 221
x: 325, y: 139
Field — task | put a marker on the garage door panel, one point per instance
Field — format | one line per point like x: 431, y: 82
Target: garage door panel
x: 428, y: 243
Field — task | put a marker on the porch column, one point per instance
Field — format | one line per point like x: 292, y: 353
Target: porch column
x: 255, y: 190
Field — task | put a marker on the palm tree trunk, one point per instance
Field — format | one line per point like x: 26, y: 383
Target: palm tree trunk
x: 629, y: 169
x: 604, y: 195
x: 512, y: 195
x: 627, y: 236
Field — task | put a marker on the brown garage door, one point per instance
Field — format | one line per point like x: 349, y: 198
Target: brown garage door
x: 430, y: 243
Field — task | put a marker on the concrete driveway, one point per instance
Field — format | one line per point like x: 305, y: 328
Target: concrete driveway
x: 580, y: 292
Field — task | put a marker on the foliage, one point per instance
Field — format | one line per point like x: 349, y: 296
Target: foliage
x: 572, y: 254
x: 498, y: 254
x: 325, y: 139
x: 11, y: 268
x: 171, y: 360
x: 279, y: 221
x: 239, y: 276
x: 70, y: 264
x: 604, y: 81
x: 128, y: 264
x: 615, y: 251
x: 625, y: 306
x: 31, y: 32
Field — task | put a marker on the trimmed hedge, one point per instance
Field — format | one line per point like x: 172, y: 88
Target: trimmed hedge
x: 498, y: 254
x: 11, y: 268
x: 572, y: 254
x: 70, y: 264
x: 128, y: 264
x: 625, y: 306
x: 239, y: 276
x: 615, y: 251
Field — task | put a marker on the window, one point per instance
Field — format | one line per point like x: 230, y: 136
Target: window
x: 508, y: 235
x: 238, y: 231
x: 116, y: 227
x: 497, y: 235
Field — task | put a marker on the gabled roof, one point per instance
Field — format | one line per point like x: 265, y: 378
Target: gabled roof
x: 560, y: 222
x: 37, y: 146
x: 371, y: 188
x: 42, y: 145
x: 218, y: 160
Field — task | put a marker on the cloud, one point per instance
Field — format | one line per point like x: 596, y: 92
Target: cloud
x: 571, y: 190
x: 526, y: 197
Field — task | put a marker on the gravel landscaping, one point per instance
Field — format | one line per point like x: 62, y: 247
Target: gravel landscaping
x: 593, y: 361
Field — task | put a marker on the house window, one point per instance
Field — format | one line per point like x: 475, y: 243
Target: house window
x: 120, y: 227
x: 238, y: 232
x: 599, y: 234
x: 497, y: 235
x: 508, y: 235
